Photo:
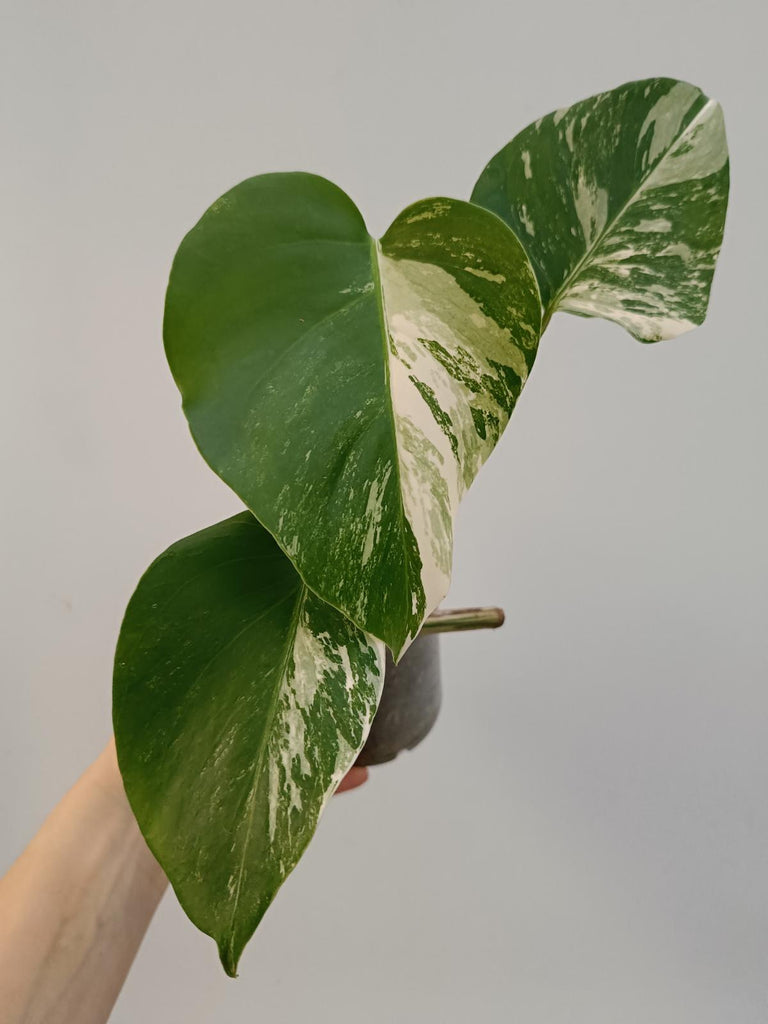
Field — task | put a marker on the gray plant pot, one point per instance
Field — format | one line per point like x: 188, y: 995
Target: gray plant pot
x: 410, y: 699
x: 410, y: 702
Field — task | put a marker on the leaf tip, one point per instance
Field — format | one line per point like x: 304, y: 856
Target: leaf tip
x: 230, y: 957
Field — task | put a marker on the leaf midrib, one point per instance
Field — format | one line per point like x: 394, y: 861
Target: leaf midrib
x: 375, y: 248
x: 261, y: 752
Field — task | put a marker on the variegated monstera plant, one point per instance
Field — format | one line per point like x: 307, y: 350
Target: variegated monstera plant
x: 348, y: 389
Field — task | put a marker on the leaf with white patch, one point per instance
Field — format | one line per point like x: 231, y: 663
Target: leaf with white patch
x: 347, y: 389
x: 240, y: 702
x: 620, y: 202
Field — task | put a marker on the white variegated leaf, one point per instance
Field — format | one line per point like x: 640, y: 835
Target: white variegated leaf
x: 240, y: 702
x: 620, y: 202
x: 347, y: 389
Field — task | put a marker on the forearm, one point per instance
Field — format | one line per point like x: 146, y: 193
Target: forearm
x: 75, y: 906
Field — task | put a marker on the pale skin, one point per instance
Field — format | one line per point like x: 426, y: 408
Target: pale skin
x: 75, y: 905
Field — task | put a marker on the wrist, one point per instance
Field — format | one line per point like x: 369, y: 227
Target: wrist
x: 104, y: 773
x: 104, y: 776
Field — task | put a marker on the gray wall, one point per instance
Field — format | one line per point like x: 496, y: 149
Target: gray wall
x: 583, y: 839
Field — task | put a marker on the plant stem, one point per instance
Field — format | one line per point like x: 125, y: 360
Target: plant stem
x: 454, y: 620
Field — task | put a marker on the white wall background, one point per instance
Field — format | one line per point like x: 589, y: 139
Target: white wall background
x: 584, y: 838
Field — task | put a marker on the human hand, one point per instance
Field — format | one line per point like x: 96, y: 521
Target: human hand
x: 355, y: 777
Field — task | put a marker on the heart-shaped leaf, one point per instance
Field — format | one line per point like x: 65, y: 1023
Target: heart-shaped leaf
x: 349, y: 390
x: 240, y: 702
x: 620, y: 202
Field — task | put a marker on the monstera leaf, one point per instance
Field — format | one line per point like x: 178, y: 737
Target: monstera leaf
x: 240, y: 701
x: 347, y: 389
x: 620, y: 202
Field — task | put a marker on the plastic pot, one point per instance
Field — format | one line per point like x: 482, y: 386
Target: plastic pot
x: 410, y: 699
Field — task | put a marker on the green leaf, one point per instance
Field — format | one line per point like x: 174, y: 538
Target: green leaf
x: 349, y: 390
x: 240, y: 702
x: 620, y: 202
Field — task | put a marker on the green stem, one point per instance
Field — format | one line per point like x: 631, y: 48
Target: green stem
x: 456, y: 620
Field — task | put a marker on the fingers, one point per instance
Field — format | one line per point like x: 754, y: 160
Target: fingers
x: 355, y: 777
